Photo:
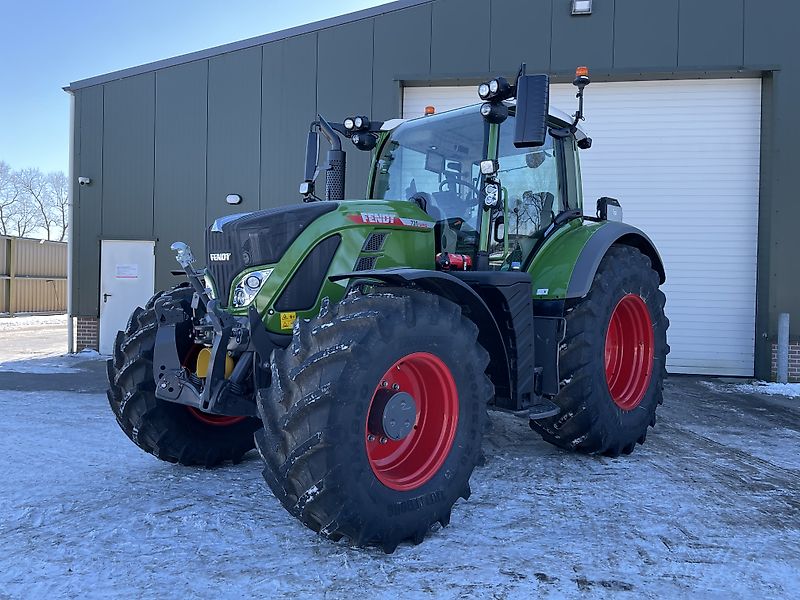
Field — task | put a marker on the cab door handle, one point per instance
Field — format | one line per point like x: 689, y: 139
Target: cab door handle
x: 106, y: 297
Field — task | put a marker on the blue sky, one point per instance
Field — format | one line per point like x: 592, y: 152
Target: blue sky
x: 46, y: 44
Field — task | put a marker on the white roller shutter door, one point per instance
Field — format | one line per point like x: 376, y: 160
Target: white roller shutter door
x: 683, y: 159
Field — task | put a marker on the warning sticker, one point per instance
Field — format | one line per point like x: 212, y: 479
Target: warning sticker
x: 126, y: 272
x: 288, y: 319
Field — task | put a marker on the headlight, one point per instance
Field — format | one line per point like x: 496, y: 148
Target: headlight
x: 494, y: 86
x: 210, y: 287
x: 349, y: 124
x: 483, y: 91
x: 247, y: 289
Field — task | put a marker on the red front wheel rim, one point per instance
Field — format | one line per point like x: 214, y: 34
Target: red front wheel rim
x: 629, y: 352
x: 411, y: 462
x: 216, y: 420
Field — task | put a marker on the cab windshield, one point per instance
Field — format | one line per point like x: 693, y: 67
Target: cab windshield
x: 436, y: 160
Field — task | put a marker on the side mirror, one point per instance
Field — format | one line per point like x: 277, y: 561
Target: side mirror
x: 533, y: 106
x: 312, y: 151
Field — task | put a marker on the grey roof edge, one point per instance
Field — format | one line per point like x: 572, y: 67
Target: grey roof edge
x: 359, y: 15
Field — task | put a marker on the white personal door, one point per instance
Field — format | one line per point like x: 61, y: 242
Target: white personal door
x: 127, y: 280
x: 683, y: 159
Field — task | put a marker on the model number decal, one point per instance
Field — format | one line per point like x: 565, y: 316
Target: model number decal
x: 366, y: 218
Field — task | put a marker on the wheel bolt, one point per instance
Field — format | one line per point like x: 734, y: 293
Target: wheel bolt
x: 384, y: 440
x: 395, y: 387
x: 370, y: 438
x: 384, y: 384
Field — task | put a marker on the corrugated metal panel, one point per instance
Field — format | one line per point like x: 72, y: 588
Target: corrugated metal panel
x: 41, y: 258
x: 40, y: 270
x: 683, y: 158
x: 40, y: 295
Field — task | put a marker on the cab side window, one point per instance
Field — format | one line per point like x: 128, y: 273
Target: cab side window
x: 534, y: 193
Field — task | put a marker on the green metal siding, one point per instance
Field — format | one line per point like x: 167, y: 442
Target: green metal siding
x: 344, y: 88
x: 234, y: 132
x: 460, y: 37
x: 128, y: 158
x: 89, y: 208
x: 180, y: 162
x: 697, y: 22
x: 288, y: 105
x: 395, y: 59
x: 645, y: 34
x: 520, y: 32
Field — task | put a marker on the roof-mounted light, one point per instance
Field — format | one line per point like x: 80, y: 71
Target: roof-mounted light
x: 496, y: 90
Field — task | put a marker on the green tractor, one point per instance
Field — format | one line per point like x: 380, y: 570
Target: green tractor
x: 359, y: 343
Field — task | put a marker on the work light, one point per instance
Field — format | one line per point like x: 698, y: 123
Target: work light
x: 496, y: 90
x: 349, y: 124
x: 491, y: 195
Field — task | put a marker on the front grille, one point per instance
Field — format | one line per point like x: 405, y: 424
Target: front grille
x: 366, y: 263
x: 259, y: 238
x: 375, y: 242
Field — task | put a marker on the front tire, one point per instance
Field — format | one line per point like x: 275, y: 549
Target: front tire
x: 332, y: 459
x: 172, y: 432
x: 612, y: 361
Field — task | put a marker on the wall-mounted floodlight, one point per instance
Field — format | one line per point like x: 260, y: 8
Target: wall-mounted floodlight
x: 581, y: 7
x: 233, y: 199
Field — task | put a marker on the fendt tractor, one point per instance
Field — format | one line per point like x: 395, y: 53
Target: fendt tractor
x: 358, y: 343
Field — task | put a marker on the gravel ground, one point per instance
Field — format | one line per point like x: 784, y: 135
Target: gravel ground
x: 709, y: 506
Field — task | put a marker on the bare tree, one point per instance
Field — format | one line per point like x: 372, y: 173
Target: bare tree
x: 59, y: 201
x: 36, y: 191
x: 24, y: 219
x: 9, y: 195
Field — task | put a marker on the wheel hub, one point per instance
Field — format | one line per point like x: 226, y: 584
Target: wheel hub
x: 392, y: 415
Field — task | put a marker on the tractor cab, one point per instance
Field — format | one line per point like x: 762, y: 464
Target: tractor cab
x: 450, y: 164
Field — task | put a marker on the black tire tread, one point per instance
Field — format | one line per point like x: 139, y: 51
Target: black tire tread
x: 164, y: 429
x: 296, y: 409
x: 579, y: 426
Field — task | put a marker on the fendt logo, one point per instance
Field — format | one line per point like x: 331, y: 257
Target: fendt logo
x: 382, y: 219
x: 221, y: 257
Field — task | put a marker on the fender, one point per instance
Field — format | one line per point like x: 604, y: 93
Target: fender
x: 474, y: 307
x: 567, y: 263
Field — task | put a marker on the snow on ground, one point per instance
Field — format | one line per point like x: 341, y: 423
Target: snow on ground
x: 32, y: 336
x: 792, y: 390
x: 709, y: 507
x: 24, y: 321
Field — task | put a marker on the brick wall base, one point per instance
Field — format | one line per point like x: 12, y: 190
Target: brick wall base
x: 87, y: 333
x: 794, y: 362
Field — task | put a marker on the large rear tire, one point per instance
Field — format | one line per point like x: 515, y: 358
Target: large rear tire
x: 172, y: 432
x: 612, y: 361
x: 330, y: 451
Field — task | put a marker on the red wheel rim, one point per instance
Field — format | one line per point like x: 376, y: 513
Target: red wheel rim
x: 629, y: 352
x: 216, y: 420
x: 411, y: 462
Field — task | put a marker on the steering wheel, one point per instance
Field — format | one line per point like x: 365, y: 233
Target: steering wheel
x: 457, y: 180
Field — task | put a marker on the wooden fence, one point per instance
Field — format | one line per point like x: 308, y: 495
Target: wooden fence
x: 33, y: 276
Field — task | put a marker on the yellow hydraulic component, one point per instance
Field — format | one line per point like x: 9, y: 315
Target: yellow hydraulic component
x: 204, y: 359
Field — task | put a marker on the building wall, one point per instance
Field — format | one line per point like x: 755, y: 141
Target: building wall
x: 165, y: 146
